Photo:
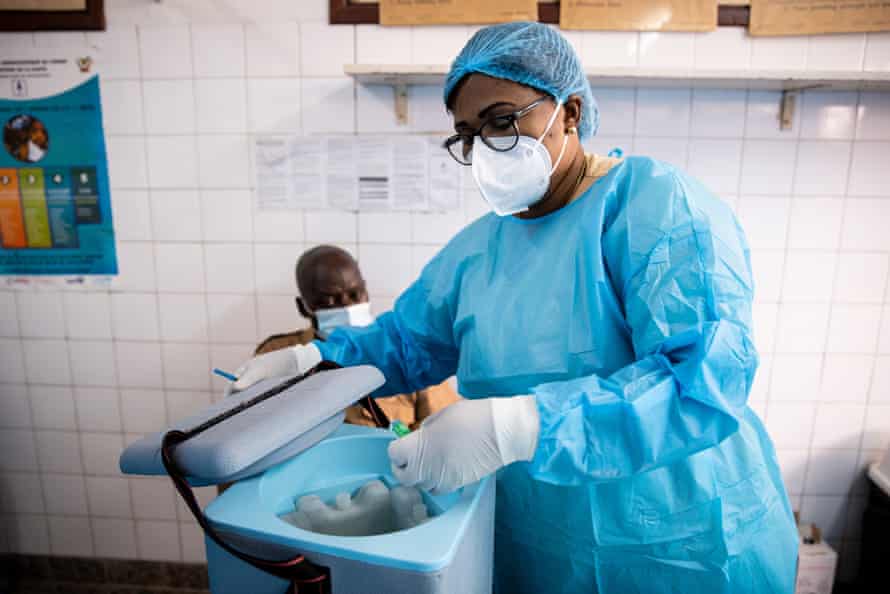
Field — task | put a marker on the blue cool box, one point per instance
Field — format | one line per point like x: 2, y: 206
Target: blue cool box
x: 296, y: 444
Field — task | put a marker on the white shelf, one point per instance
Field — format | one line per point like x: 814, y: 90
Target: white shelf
x: 779, y: 80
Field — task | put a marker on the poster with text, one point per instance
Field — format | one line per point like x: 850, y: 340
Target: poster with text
x: 639, y: 15
x: 55, y: 206
x: 805, y: 17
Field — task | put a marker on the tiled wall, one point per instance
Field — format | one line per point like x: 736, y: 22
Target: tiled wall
x: 204, y: 275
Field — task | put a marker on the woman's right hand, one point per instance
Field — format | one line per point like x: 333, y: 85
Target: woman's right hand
x: 284, y: 362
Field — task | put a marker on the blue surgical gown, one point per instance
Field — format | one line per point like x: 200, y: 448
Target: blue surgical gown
x: 628, y: 314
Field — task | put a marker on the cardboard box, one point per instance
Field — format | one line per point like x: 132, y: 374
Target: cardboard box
x: 816, y: 562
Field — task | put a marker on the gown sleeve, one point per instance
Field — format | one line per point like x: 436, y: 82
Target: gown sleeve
x: 680, y: 265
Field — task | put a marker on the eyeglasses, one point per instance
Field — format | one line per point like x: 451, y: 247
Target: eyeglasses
x: 460, y: 146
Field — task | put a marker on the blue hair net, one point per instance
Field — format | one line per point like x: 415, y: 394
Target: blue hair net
x: 531, y: 54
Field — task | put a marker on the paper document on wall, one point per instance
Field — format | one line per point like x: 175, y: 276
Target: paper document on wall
x: 365, y: 173
x: 638, y: 15
x: 804, y: 17
x: 456, y: 12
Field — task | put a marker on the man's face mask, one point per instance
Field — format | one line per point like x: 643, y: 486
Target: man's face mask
x: 336, y: 317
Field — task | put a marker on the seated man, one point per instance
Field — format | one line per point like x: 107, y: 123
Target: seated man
x: 332, y: 294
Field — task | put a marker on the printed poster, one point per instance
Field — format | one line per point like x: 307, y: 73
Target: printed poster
x: 55, y: 207
x: 805, y: 17
x: 456, y: 12
x: 638, y: 15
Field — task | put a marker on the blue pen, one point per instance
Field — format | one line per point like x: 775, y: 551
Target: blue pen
x: 222, y: 373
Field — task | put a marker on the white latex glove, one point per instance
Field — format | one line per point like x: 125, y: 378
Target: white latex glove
x: 466, y: 441
x: 280, y: 363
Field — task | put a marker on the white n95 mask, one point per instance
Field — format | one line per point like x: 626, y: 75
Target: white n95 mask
x: 354, y: 315
x: 511, y: 181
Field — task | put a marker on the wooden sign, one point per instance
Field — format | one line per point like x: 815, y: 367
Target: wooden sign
x: 804, y: 17
x: 456, y: 12
x: 638, y: 15
x: 43, y: 4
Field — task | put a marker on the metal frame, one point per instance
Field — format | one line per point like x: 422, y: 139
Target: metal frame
x: 346, y: 12
x: 91, y: 19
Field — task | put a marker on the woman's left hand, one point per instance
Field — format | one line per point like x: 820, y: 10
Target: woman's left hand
x: 466, y: 441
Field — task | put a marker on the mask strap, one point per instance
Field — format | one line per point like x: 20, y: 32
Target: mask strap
x: 565, y: 139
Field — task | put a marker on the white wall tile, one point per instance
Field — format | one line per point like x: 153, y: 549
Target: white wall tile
x: 762, y: 118
x: 617, y: 108
x: 384, y: 227
x: 884, y: 337
x: 277, y: 314
x: 222, y: 161
x: 122, y: 107
x: 666, y: 50
x: 101, y: 452
x: 716, y: 163
x: 218, y: 50
x: 15, y: 410
x: 790, y: 424
x: 229, y: 268
x: 430, y: 45
x: 663, y: 112
x: 136, y: 267
x: 109, y: 497
x: 828, y: 114
x: 273, y: 105
x: 330, y: 226
x: 865, y: 225
x: 70, y: 536
x: 794, y: 465
x: 273, y: 49
x: 374, y: 110
x: 232, y: 318
x: 873, y: 116
x: 92, y: 363
x: 779, y: 53
x: 861, y: 277
x: 328, y: 105
x: 226, y: 215
x: 868, y: 169
x: 138, y: 364
x: 22, y: 493
x: 845, y: 378
x: 127, y: 165
x: 193, y: 547
x: 375, y: 44
x: 183, y: 317
x: 435, y: 228
x: 169, y: 106
x: 812, y: 177
x: 674, y: 151
x: 65, y: 494
x: 186, y: 366
x: 815, y: 223
x: 132, y: 215
x: 46, y: 361
x: 809, y: 276
x: 154, y: 498
x: 725, y: 48
x: 165, y: 52
x: 718, y: 113
x: 12, y: 362
x: 185, y: 403
x: 20, y: 449
x: 768, y: 167
x: 180, y: 267
x: 838, y: 425
x: 610, y: 48
x: 877, y: 52
x: 115, y: 538
x: 30, y: 535
x: 877, y: 428
x: 40, y: 314
x: 338, y: 42
x: 829, y: 512
x: 98, y: 409
x: 176, y: 215
x: 88, y: 315
x: 9, y: 321
x: 221, y: 105
x: 57, y: 451
x: 135, y: 316
x: 118, y: 55
x: 143, y: 411
x: 853, y: 328
x: 880, y: 383
x: 172, y: 162
x: 386, y: 268
x: 426, y: 112
x: 795, y: 377
x: 158, y: 540
x: 836, y: 52
x: 802, y: 328
x: 52, y: 407
x: 277, y: 226
x: 274, y: 266
x: 765, y: 220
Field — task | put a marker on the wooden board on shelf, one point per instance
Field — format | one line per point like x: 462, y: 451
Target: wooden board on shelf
x: 456, y: 12
x: 807, y: 17
x: 632, y: 15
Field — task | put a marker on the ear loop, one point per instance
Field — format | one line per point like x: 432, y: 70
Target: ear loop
x: 565, y: 139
